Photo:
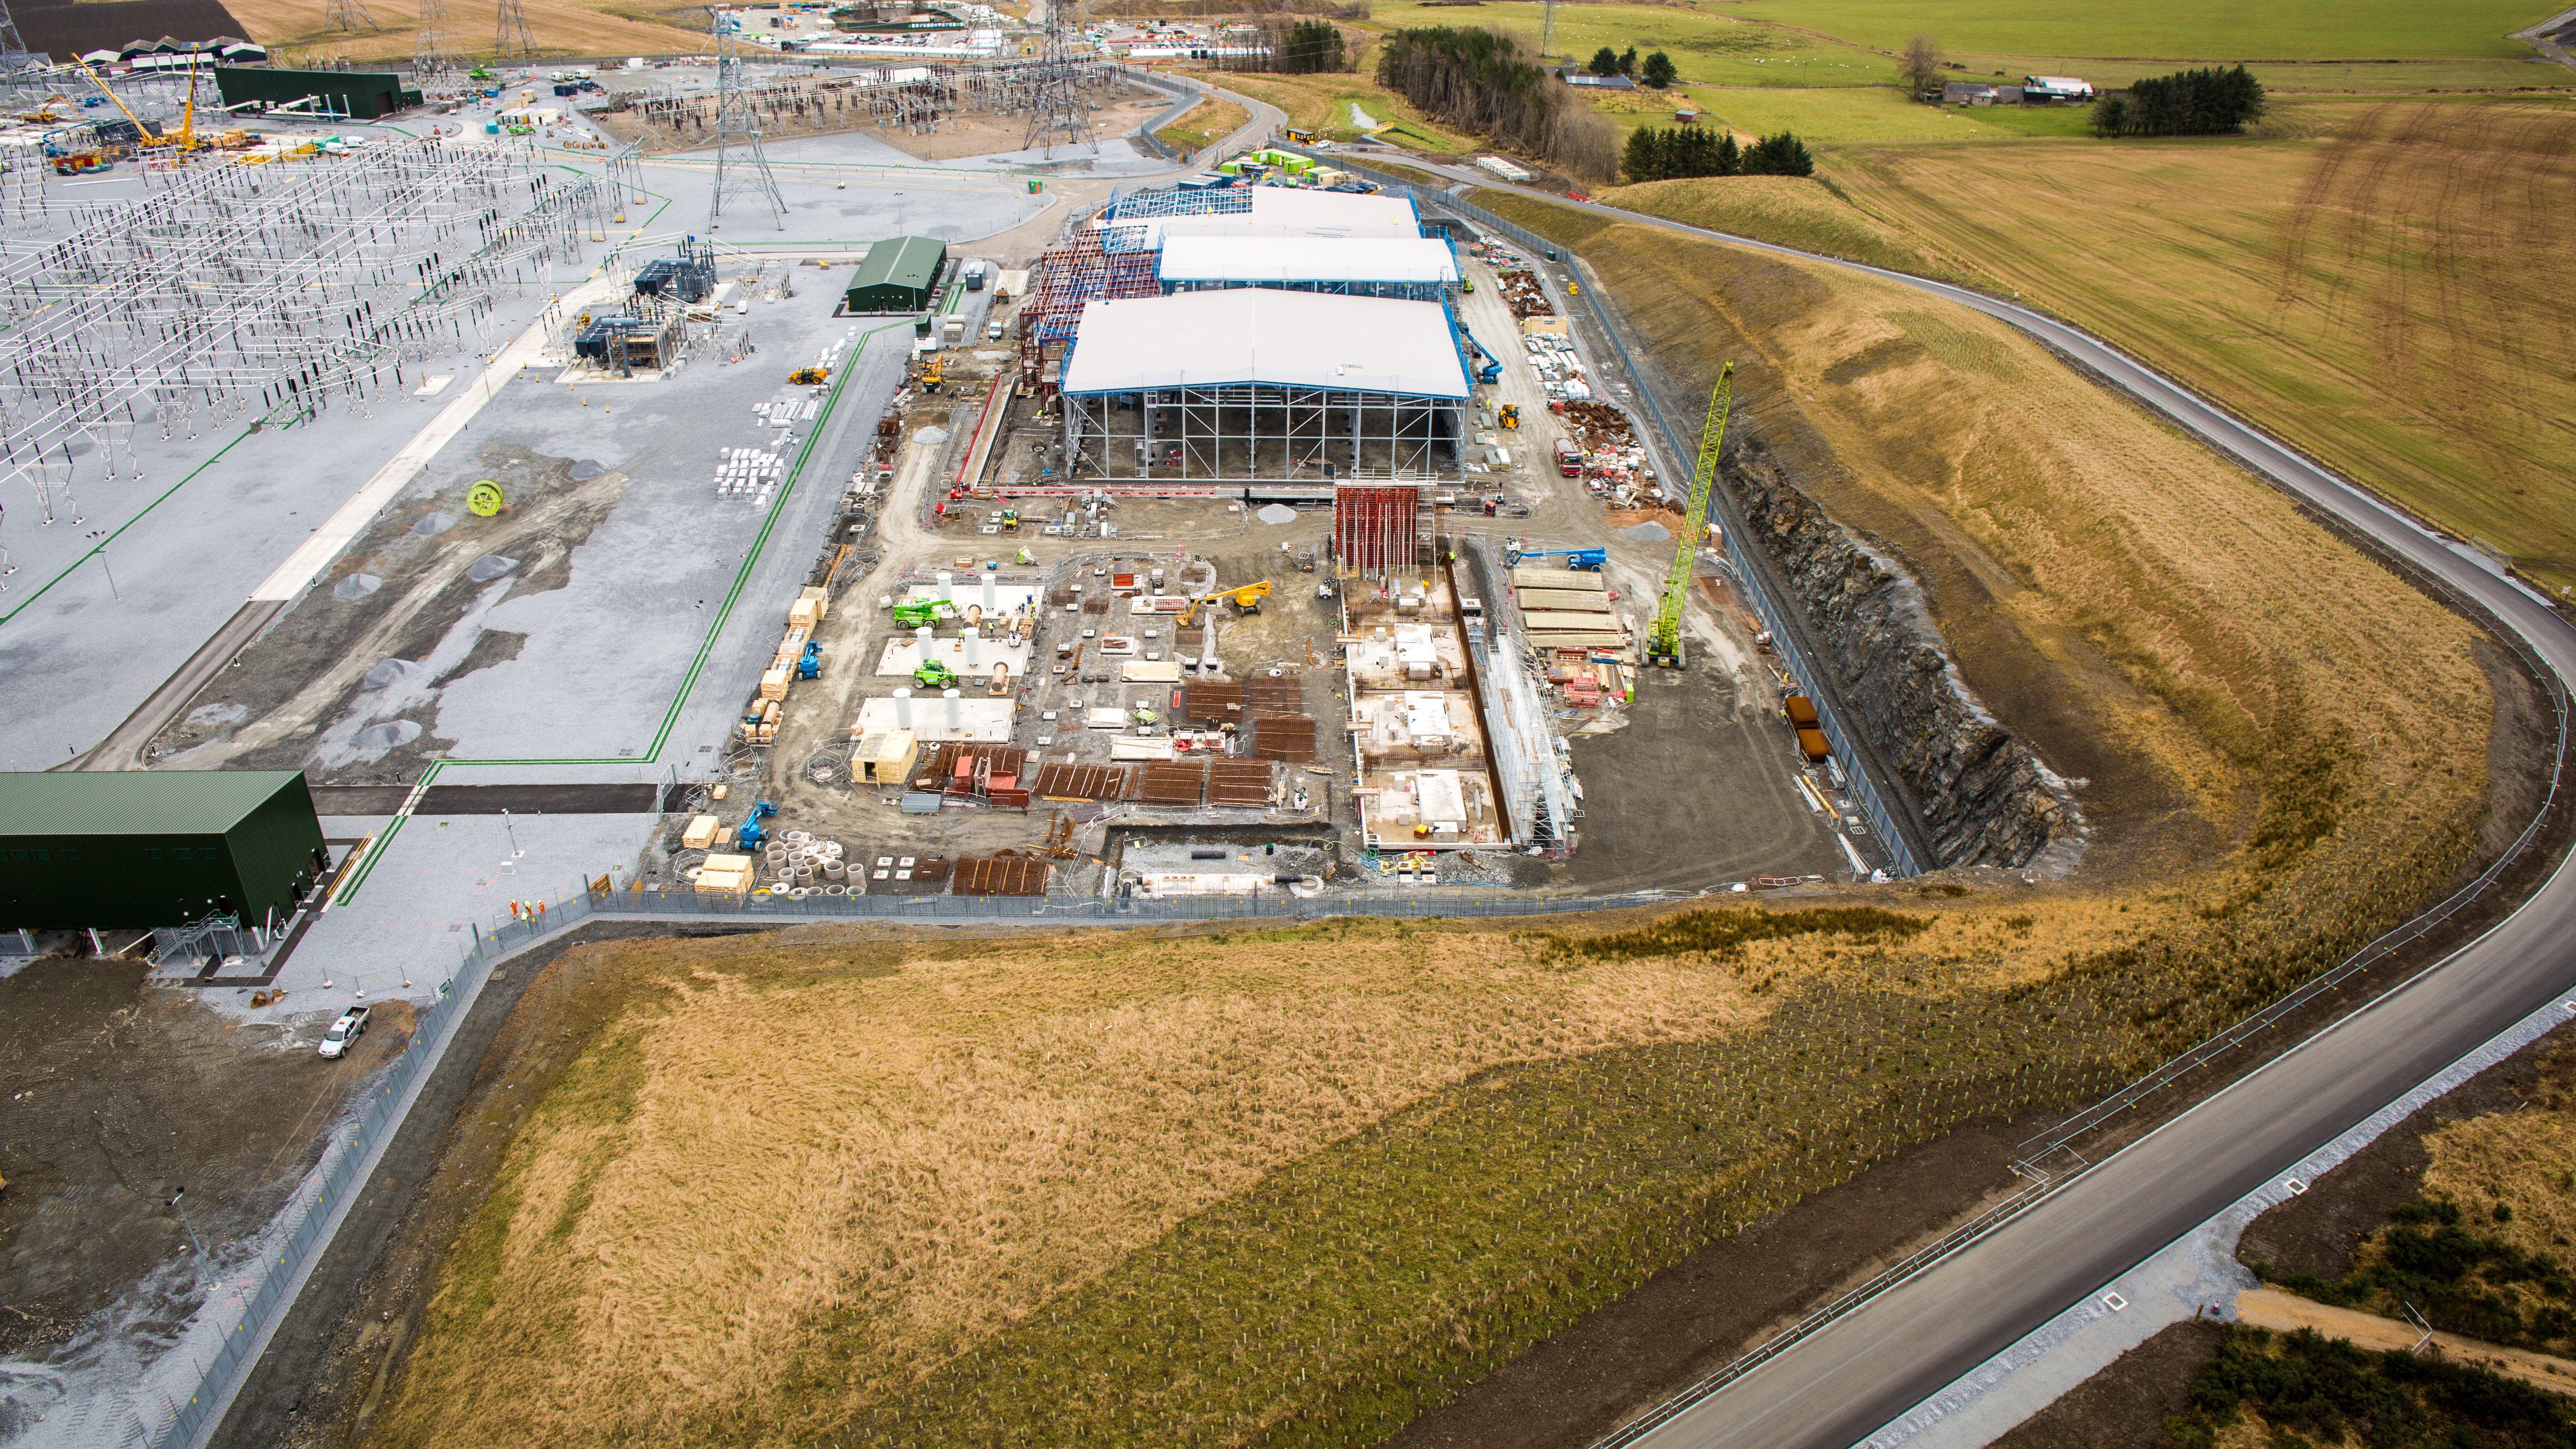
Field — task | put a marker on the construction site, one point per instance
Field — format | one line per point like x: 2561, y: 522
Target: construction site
x: 642, y: 494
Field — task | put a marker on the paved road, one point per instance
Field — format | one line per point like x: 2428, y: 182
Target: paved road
x: 1845, y: 1381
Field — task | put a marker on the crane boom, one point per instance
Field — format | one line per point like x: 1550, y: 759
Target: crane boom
x: 1664, y: 642
x: 139, y: 129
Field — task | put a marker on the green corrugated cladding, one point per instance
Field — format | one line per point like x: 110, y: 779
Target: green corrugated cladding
x: 364, y: 95
x: 132, y: 850
x: 898, y: 275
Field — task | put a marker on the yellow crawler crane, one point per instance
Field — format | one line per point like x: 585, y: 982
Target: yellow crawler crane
x: 1664, y: 640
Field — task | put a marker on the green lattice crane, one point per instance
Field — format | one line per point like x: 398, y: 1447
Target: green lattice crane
x: 1664, y: 641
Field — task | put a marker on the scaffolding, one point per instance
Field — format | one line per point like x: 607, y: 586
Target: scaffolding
x: 1096, y: 263
x: 1179, y: 201
x: 1259, y: 433
x: 266, y: 291
x: 1378, y: 529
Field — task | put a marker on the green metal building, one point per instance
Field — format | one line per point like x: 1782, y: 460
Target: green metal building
x: 361, y: 95
x: 899, y: 275
x: 137, y: 850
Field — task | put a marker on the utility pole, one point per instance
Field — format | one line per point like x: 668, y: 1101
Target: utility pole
x: 1056, y: 107
x: 511, y: 38
x: 431, y: 59
x: 15, y: 57
x: 742, y: 168
x: 178, y: 1199
x: 348, y: 15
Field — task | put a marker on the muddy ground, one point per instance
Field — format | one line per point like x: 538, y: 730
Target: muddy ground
x: 2124, y: 1406
x: 842, y: 112
x: 112, y: 1097
x: 381, y: 612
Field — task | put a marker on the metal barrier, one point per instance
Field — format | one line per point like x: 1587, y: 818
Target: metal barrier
x: 250, y: 1293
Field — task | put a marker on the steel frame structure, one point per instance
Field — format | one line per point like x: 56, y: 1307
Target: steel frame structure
x: 1092, y: 264
x: 742, y: 167
x: 1259, y: 433
x: 270, y: 291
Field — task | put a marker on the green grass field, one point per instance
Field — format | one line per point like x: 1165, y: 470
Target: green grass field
x: 2194, y: 29
x: 1714, y: 49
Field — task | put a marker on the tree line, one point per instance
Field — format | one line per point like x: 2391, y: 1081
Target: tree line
x: 1683, y: 151
x: 1659, y: 70
x: 1480, y: 81
x: 2204, y: 102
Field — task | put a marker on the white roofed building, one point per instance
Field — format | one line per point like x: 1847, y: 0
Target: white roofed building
x: 1256, y: 384
x: 1419, y: 268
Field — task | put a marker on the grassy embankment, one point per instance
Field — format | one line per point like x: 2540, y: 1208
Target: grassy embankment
x: 1295, y: 1185
x: 1322, y: 104
x: 1208, y: 121
x: 2485, y: 1251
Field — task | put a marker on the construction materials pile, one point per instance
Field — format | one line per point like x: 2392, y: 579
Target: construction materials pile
x: 1523, y: 294
x: 1615, y: 468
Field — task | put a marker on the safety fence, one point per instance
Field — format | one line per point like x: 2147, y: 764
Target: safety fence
x: 242, y: 1298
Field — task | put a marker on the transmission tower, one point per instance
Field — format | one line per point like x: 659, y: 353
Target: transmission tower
x: 1056, y: 108
x: 1547, y: 29
x: 348, y: 15
x: 431, y: 57
x: 511, y: 40
x: 15, y: 58
x: 742, y: 168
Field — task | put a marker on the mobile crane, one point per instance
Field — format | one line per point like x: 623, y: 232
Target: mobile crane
x: 1246, y: 598
x: 1664, y: 639
x: 1515, y: 554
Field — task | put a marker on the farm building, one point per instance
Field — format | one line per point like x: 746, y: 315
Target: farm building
x: 1255, y: 384
x: 1967, y: 93
x: 2041, y: 90
x: 899, y: 275
x: 137, y: 850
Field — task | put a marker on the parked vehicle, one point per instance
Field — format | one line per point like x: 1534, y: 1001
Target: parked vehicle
x: 344, y: 1033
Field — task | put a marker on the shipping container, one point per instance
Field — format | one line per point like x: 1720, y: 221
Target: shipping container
x: 1812, y: 744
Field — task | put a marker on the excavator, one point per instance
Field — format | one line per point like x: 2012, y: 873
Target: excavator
x: 1247, y: 599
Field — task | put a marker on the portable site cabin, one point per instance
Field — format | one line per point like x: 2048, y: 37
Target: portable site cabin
x: 137, y: 850
x: 884, y: 757
x: 900, y: 275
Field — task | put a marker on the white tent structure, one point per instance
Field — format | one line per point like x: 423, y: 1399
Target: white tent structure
x: 1416, y: 268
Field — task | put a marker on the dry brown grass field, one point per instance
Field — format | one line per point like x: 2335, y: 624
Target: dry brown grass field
x: 2383, y: 285
x: 560, y: 27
